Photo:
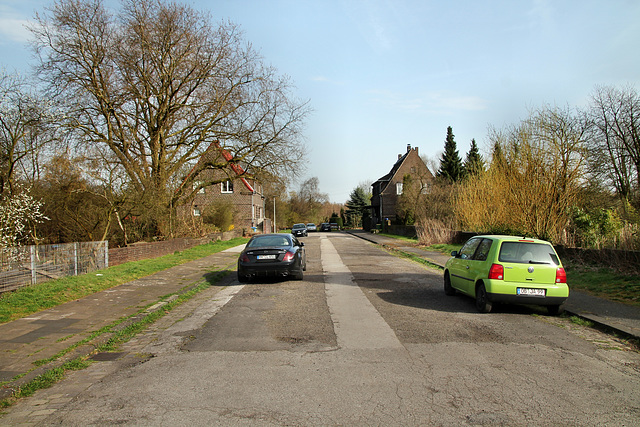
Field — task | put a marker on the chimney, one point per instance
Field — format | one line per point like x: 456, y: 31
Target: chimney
x: 399, y: 156
x: 408, y: 147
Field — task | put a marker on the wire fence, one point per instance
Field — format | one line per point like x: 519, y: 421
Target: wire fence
x: 28, y: 265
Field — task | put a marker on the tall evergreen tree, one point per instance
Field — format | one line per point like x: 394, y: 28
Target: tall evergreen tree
x: 474, y: 163
x: 451, y: 167
x: 357, y: 206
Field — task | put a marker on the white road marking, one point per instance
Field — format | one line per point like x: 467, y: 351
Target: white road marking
x: 357, y: 323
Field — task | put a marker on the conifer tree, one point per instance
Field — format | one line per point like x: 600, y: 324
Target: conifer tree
x: 474, y: 163
x: 357, y: 206
x: 451, y: 168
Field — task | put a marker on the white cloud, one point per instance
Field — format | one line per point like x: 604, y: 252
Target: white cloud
x: 14, y: 30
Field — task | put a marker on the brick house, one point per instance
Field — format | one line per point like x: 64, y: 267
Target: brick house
x: 242, y: 192
x: 387, y: 190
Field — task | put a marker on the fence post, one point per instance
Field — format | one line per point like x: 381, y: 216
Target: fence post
x: 34, y: 279
x: 106, y: 254
x: 75, y: 258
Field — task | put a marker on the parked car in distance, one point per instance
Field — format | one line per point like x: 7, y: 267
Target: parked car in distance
x: 334, y: 226
x: 507, y: 269
x: 272, y: 255
x: 325, y: 226
x: 312, y: 227
x: 299, y: 230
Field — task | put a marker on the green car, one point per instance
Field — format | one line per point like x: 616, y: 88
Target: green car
x: 507, y: 269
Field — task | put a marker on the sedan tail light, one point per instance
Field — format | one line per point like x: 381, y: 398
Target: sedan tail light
x: 496, y: 272
x: 244, y: 258
x: 561, y: 275
x: 289, y: 256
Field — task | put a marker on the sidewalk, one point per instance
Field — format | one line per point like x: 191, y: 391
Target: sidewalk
x: 47, y: 333
x: 616, y: 316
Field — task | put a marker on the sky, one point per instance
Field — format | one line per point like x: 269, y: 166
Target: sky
x: 383, y: 74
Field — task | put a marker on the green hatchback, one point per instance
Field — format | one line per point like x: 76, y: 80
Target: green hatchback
x: 507, y: 269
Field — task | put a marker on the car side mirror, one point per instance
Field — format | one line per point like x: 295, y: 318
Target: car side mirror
x: 454, y: 253
x: 301, y: 243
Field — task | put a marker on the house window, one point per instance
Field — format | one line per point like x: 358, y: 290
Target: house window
x: 196, y: 211
x: 227, y: 187
x: 398, y: 188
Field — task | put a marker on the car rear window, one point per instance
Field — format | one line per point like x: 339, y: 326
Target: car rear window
x: 260, y: 242
x: 527, y: 253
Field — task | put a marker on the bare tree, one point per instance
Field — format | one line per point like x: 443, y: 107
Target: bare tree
x: 535, y: 176
x: 156, y: 85
x: 615, y: 112
x: 24, y: 130
x: 306, y: 204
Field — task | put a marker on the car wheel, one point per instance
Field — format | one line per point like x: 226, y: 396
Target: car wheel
x: 482, y: 300
x: 448, y: 289
x: 554, y: 310
x: 299, y: 276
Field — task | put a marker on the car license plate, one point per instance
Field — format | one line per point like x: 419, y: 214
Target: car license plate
x: 266, y: 257
x: 531, y: 292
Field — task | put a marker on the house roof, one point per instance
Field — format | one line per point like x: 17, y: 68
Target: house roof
x: 239, y: 171
x: 394, y: 169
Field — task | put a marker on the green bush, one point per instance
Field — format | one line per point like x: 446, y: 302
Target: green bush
x: 221, y: 214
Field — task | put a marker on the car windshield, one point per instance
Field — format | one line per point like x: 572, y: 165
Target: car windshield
x: 299, y: 226
x: 264, y: 241
x: 528, y: 253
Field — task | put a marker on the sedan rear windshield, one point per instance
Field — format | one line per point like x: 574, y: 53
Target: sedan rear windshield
x: 528, y: 253
x: 260, y: 242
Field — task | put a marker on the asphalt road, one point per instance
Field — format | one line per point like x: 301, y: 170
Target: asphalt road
x: 366, y: 338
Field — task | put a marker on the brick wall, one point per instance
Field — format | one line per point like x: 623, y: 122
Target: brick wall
x: 248, y: 206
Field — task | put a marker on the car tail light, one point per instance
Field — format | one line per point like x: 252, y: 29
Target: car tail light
x: 496, y: 272
x: 561, y: 275
x: 244, y: 258
x: 289, y: 256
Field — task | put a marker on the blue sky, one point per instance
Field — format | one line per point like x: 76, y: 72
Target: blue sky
x: 381, y: 74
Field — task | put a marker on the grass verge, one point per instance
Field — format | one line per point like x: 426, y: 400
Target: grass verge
x: 412, y: 257
x: 413, y: 240
x: 31, y: 299
x: 605, y: 283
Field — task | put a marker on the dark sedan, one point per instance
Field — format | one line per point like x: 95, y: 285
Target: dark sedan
x: 272, y: 255
x: 299, y: 230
